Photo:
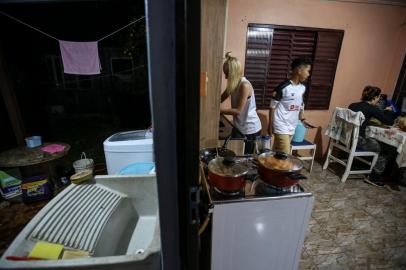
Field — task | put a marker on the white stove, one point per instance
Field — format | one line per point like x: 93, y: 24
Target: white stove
x: 260, y: 229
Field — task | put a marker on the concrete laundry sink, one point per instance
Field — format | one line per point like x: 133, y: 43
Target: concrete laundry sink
x: 115, y: 218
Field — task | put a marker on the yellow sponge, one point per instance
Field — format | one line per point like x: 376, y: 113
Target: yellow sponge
x: 48, y: 251
x: 74, y: 254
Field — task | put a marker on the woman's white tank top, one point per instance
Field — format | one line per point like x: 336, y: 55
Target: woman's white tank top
x: 247, y: 121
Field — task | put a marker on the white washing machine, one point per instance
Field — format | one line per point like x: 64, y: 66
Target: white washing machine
x: 124, y: 148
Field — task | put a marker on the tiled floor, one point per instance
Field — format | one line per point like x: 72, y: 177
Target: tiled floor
x: 354, y: 225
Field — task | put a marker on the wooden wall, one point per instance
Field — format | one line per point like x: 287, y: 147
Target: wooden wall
x: 213, y: 32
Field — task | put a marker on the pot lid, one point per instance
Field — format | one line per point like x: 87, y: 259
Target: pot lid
x: 279, y: 161
x: 225, y: 167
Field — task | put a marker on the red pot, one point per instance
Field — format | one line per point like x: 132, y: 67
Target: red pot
x: 284, y: 171
x: 227, y: 176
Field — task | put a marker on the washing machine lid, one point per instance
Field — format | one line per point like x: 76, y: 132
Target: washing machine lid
x: 129, y: 141
x: 130, y: 136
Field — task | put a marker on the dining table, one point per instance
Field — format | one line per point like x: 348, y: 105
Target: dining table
x: 43, y: 156
x: 392, y: 136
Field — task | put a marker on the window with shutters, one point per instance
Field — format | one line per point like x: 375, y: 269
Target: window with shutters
x: 271, y: 49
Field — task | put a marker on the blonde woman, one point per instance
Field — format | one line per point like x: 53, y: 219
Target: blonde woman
x: 243, y: 107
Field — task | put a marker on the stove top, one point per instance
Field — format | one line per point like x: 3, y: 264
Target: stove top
x: 262, y: 188
x: 255, y: 189
x: 219, y: 195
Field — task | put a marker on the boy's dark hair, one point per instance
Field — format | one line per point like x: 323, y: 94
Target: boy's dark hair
x: 370, y: 92
x: 302, y: 61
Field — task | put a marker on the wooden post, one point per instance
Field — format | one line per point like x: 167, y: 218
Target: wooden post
x: 211, y: 63
x: 10, y: 101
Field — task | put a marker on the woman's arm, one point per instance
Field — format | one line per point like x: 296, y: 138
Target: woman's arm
x: 245, y: 92
x: 224, y: 96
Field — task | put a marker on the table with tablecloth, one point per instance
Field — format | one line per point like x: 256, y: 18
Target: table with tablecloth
x: 392, y: 136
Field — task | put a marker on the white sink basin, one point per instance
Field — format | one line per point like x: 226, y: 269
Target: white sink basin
x: 115, y: 218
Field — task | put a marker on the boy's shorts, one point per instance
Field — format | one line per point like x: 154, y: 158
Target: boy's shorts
x: 282, y: 143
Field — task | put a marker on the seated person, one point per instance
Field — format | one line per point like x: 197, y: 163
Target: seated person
x: 368, y: 106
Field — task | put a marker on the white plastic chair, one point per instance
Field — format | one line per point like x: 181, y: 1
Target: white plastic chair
x: 305, y: 145
x: 352, y: 151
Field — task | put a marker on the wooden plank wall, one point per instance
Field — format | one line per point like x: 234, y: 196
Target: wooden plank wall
x: 214, y: 14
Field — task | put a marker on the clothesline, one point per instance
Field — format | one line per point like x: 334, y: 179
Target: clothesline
x: 50, y: 36
x: 26, y: 24
x: 118, y: 30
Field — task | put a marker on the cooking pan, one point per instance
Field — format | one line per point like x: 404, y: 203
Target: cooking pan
x: 280, y: 169
x: 207, y: 154
x: 227, y: 174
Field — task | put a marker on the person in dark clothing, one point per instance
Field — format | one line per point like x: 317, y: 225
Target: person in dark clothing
x: 368, y: 106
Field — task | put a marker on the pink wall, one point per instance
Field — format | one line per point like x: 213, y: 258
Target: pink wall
x: 372, y: 51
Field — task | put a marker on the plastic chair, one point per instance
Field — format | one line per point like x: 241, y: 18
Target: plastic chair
x: 351, y: 149
x: 304, y: 145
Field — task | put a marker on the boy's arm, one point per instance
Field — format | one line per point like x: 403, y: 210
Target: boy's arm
x: 274, y: 103
x: 271, y: 119
x: 276, y: 97
x: 301, y: 112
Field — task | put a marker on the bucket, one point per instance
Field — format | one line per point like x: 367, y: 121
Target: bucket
x: 300, y: 132
x: 83, y: 163
x: 138, y: 168
x: 33, y: 141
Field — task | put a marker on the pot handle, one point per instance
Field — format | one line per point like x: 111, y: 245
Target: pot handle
x: 297, y: 176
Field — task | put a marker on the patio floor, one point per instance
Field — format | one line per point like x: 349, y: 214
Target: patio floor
x: 354, y: 225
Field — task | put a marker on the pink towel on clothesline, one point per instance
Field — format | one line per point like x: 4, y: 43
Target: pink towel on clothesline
x: 53, y: 148
x: 81, y: 58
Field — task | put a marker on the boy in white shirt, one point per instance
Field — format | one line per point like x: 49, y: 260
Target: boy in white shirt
x: 287, y: 105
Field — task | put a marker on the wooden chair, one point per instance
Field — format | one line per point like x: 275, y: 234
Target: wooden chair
x: 305, y: 145
x: 352, y: 151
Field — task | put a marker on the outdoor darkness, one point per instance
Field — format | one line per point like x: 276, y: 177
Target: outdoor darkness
x: 81, y: 110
